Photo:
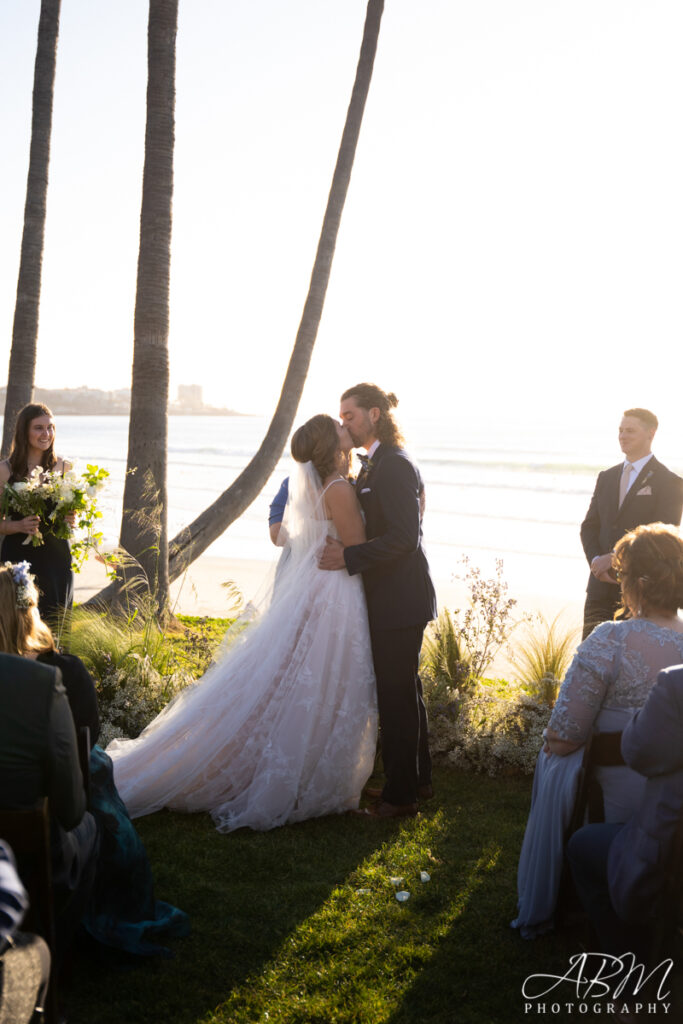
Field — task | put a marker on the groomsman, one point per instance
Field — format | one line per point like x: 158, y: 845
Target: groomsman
x: 638, y: 491
x: 398, y: 588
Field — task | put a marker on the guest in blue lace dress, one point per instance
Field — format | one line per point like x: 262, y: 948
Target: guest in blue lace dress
x: 610, y: 677
x: 121, y: 911
x: 34, y: 445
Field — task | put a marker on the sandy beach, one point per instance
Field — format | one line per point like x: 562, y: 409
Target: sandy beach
x: 201, y: 591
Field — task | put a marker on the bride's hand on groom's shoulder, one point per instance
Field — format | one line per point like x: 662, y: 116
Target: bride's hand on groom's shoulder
x: 333, y: 555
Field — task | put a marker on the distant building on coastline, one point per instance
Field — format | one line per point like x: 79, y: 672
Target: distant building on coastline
x: 190, y: 397
x: 85, y: 401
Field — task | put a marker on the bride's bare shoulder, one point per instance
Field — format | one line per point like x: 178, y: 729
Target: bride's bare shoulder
x: 337, y: 488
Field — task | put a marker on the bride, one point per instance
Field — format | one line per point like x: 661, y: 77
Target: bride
x: 283, y: 728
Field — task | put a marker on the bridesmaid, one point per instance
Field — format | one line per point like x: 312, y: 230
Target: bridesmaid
x: 33, y: 445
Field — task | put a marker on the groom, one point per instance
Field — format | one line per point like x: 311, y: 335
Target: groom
x: 398, y: 588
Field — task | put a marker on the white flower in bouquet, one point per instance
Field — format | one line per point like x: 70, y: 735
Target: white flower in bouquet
x: 53, y: 497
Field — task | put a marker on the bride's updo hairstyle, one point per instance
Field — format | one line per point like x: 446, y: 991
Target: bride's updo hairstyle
x: 649, y: 566
x: 317, y: 441
x: 22, y: 631
x: 369, y: 396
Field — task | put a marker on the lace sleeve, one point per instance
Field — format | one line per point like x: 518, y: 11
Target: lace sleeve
x: 585, y: 685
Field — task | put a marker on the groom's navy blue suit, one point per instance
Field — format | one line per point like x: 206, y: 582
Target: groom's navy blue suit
x: 401, y: 601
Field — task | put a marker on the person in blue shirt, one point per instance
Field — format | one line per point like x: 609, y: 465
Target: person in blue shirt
x: 277, y: 511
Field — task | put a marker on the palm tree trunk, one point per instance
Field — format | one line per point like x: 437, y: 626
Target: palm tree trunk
x: 22, y: 363
x: 144, y: 532
x: 195, y: 538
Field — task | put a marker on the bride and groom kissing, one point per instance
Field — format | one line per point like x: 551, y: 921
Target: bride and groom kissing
x: 284, y: 727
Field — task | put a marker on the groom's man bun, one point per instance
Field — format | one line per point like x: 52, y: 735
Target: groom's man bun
x: 369, y: 396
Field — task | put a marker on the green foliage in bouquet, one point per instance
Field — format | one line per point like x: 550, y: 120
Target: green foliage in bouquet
x: 53, y: 497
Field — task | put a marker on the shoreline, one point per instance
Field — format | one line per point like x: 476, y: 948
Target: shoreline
x: 201, y: 591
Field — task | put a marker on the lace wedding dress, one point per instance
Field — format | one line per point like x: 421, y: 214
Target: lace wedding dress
x: 284, y: 727
x: 610, y: 677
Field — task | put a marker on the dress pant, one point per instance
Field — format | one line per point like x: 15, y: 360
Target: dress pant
x: 587, y: 853
x: 73, y: 875
x: 402, y: 713
x: 600, y: 609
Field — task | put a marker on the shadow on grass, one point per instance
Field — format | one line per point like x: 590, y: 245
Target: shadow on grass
x: 479, y: 964
x: 244, y: 892
x: 300, y: 925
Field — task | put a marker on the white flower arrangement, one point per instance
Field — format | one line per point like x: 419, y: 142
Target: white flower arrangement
x: 54, y: 496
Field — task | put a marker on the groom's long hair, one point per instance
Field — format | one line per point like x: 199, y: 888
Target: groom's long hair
x: 369, y: 396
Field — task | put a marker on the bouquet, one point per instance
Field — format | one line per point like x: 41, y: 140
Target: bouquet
x: 52, y: 496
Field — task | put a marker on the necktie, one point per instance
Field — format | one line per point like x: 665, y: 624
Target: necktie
x: 363, y: 460
x: 625, y: 481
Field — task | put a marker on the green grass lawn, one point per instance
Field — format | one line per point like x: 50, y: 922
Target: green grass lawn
x: 281, y: 934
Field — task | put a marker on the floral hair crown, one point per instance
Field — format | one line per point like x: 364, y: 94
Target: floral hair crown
x: 22, y: 579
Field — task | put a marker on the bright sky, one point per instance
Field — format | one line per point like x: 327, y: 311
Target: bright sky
x: 512, y: 242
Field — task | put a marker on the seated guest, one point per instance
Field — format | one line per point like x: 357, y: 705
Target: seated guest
x: 39, y: 757
x: 619, y: 869
x: 24, y: 958
x: 610, y: 677
x: 121, y: 911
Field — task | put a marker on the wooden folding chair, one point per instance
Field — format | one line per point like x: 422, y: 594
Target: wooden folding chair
x: 28, y: 833
x: 603, y: 749
x: 83, y: 741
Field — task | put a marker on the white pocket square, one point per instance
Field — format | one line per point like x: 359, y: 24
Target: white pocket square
x: 644, y: 490
x: 365, y: 490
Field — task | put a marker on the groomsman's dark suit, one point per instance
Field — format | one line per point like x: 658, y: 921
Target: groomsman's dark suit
x: 655, y: 496
x: 401, y: 601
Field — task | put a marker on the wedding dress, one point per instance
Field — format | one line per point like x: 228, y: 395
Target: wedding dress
x: 283, y: 728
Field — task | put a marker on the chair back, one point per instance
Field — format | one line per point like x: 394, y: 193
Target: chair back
x: 603, y: 750
x: 83, y: 741
x: 28, y: 833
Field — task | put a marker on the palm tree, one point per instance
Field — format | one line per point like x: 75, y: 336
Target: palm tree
x: 195, y: 538
x: 144, y: 532
x: 213, y: 521
x: 22, y: 363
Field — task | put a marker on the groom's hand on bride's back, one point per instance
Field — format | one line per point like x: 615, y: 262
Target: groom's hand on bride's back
x: 333, y: 555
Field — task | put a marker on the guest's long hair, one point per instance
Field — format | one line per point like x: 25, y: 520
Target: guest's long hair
x: 18, y: 456
x: 369, y: 396
x: 649, y: 566
x: 317, y: 441
x: 22, y: 631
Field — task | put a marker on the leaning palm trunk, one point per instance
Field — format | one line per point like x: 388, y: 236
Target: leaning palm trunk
x: 213, y: 521
x: 22, y: 363
x: 195, y: 538
x: 144, y: 532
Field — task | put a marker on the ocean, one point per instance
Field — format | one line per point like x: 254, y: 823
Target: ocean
x: 517, y: 492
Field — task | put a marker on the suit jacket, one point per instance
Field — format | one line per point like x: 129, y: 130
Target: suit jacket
x: 398, y: 586
x: 652, y: 744
x: 656, y: 496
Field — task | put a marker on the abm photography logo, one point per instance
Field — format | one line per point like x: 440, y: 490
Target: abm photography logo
x: 596, y: 983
